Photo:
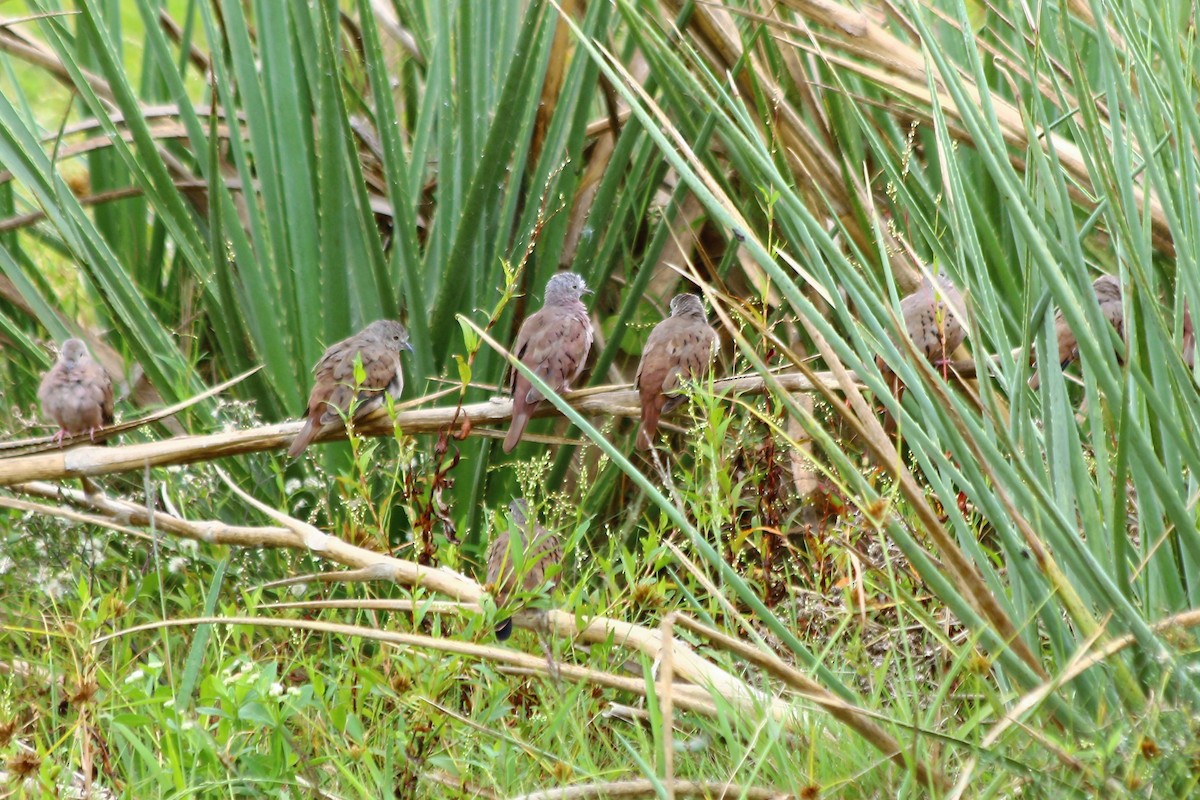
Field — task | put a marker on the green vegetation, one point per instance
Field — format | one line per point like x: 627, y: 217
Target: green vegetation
x: 995, y: 579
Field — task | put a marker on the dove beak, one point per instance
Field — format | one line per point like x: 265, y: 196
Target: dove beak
x: 408, y: 346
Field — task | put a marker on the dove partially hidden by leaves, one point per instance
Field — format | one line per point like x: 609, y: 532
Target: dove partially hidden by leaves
x: 930, y: 319
x: 554, y: 344
x: 76, y: 393
x: 378, y: 347
x: 1107, y: 289
x: 519, y: 559
x: 1108, y: 296
x: 681, y: 347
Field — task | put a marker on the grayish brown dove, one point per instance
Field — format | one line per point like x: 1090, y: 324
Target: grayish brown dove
x: 1108, y: 295
x: 554, y: 343
x: 930, y: 322
x: 524, y: 564
x: 680, y: 347
x: 76, y: 393
x: 378, y: 345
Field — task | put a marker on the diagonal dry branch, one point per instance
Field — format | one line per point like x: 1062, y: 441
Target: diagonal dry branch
x: 297, y: 535
x: 613, y: 401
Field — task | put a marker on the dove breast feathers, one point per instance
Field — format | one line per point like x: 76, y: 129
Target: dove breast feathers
x: 77, y: 392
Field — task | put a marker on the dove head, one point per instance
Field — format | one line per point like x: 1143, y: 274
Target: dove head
x: 391, y: 333
x: 687, y: 305
x: 72, y: 351
x: 518, y: 511
x: 565, y: 288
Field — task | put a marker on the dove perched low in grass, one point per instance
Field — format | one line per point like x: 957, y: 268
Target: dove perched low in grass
x: 1107, y: 289
x: 554, y: 343
x: 378, y: 346
x: 76, y: 393
x: 519, y: 558
x: 930, y: 321
x: 1108, y: 295
x: 680, y: 347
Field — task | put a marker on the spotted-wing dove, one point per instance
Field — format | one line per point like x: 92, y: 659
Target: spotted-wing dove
x: 76, y: 393
x: 378, y: 345
x: 1107, y: 289
x: 531, y: 558
x: 930, y: 319
x: 554, y: 343
x: 1108, y: 296
x: 680, y: 347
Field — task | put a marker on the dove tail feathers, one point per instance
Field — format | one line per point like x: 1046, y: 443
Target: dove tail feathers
x: 645, y: 434
x: 304, y: 438
x: 516, y: 430
x: 503, y: 630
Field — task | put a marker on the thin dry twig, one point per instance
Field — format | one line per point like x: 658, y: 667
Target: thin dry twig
x: 689, y: 697
x: 644, y: 788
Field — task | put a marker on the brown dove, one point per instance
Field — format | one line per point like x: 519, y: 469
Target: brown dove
x: 680, y: 347
x: 532, y: 559
x: 76, y: 393
x: 554, y: 343
x: 378, y: 345
x: 1108, y: 295
x: 930, y: 322
x: 1107, y: 289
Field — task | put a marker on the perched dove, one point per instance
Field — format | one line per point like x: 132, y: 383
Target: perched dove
x: 679, y: 347
x: 531, y: 559
x: 76, y: 393
x: 554, y: 343
x: 378, y: 345
x: 1107, y: 289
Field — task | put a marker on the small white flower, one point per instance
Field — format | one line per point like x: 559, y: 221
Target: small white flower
x: 6, y: 564
x: 291, y: 486
x: 177, y: 565
x: 135, y: 676
x: 54, y: 588
x: 189, y: 546
x: 298, y: 589
x: 276, y: 689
